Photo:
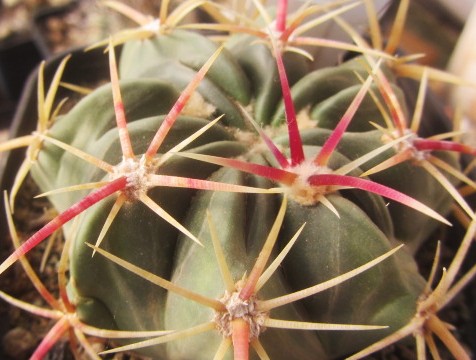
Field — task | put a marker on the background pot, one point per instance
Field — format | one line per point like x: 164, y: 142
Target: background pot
x: 85, y: 69
x: 19, y: 55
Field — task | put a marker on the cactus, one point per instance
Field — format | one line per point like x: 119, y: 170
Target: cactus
x: 235, y: 196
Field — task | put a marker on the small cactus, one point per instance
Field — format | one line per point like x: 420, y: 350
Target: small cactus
x: 236, y: 196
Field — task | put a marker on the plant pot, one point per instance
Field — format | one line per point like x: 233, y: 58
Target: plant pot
x: 18, y: 57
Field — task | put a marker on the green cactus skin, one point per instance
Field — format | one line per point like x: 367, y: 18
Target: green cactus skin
x: 347, y: 242
x: 187, y: 48
x: 355, y: 240
x: 100, y: 139
x: 320, y: 85
x: 242, y: 238
x: 176, y: 56
x: 326, y: 113
x: 108, y: 296
x: 255, y: 59
x: 410, y: 227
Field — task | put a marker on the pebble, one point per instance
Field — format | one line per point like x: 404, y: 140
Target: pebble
x: 18, y: 343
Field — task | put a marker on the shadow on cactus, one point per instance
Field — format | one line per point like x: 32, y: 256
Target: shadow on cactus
x: 331, y: 145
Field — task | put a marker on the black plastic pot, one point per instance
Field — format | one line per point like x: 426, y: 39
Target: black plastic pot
x: 19, y: 55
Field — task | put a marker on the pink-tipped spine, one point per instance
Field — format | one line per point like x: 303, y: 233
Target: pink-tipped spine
x: 64, y: 217
x: 50, y: 339
x: 240, y: 337
x: 442, y: 145
x: 178, y: 107
x: 295, y: 142
x: 119, y: 110
x: 281, y: 15
x: 373, y: 187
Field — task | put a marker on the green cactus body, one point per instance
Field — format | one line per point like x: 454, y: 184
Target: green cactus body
x: 348, y: 241
x: 176, y: 56
x: 255, y: 59
x: 326, y: 113
x: 320, y: 85
x: 410, y: 226
x: 97, y: 299
x: 108, y: 296
x: 243, y: 221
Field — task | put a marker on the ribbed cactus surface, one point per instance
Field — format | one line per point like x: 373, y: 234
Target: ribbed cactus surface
x: 194, y: 224
x: 330, y: 244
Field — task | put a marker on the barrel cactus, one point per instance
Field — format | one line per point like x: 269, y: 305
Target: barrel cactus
x: 235, y: 195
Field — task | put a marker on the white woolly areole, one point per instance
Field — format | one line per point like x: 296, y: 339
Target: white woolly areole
x: 152, y: 26
x: 237, y: 308
x: 301, y: 190
x: 275, y: 35
x: 271, y: 31
x: 251, y: 140
x: 417, y: 155
x: 137, y: 172
x: 198, y: 107
x: 248, y: 138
